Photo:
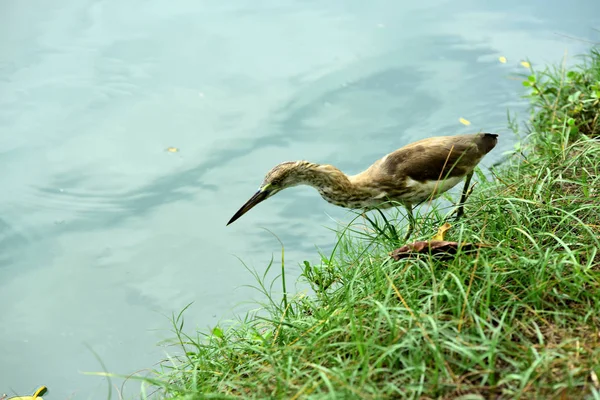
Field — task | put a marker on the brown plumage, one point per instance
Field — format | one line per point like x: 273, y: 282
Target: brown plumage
x: 410, y: 175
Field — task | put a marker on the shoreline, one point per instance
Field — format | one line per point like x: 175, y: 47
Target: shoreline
x: 518, y: 318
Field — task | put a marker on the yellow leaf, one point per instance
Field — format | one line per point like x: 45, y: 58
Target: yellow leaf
x: 502, y: 59
x: 39, y: 392
x: 525, y: 64
x: 464, y: 121
x: 172, y: 149
x: 441, y: 231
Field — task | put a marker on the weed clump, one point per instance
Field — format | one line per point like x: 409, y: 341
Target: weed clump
x: 566, y: 102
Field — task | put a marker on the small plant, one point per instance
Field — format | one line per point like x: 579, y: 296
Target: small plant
x: 566, y: 102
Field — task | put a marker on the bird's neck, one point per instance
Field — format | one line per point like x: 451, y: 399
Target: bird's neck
x: 336, y: 187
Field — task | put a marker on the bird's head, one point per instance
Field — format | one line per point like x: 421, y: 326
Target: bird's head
x: 282, y: 176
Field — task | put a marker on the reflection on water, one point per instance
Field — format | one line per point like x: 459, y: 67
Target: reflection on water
x: 104, y: 234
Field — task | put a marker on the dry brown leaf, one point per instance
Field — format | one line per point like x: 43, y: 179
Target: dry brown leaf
x: 434, y: 247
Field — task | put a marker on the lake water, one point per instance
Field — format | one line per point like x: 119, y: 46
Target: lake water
x: 104, y: 233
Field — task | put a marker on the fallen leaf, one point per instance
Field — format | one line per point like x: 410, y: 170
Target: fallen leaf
x: 525, y: 64
x: 434, y: 247
x: 464, y: 121
x: 172, y: 149
x: 441, y: 231
x: 502, y: 59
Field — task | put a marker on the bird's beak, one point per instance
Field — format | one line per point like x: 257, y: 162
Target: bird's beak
x: 254, y: 200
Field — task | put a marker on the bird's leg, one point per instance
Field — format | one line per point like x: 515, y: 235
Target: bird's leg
x: 411, y: 221
x: 465, y: 194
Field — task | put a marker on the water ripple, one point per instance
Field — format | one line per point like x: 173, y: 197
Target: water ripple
x: 13, y: 240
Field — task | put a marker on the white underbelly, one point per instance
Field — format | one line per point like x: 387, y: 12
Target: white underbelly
x: 421, y: 191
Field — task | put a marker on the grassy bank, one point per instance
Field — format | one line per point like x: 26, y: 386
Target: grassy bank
x: 517, y: 319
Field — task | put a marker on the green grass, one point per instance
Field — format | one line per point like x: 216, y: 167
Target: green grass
x: 518, y: 319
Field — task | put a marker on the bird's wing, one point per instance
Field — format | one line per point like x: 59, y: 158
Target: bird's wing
x: 431, y: 161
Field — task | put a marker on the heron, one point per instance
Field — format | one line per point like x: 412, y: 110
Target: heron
x: 417, y: 172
